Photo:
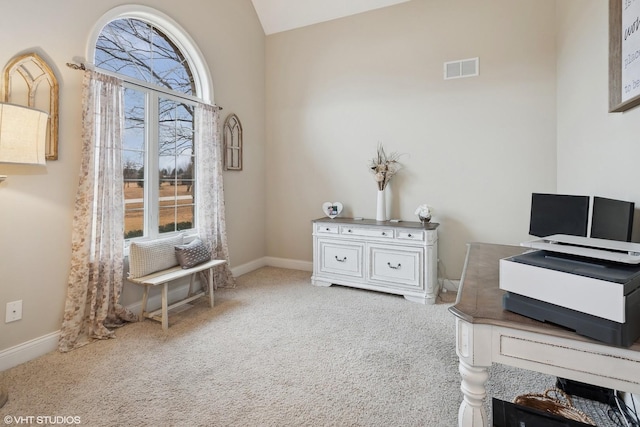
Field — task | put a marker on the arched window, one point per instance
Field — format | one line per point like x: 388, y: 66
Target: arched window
x: 165, y: 77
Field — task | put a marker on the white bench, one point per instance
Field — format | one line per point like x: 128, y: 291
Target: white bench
x: 164, y: 277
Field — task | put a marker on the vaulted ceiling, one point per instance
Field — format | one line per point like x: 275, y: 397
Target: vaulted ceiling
x: 283, y: 15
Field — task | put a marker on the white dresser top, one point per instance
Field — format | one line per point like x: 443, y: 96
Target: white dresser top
x: 372, y: 222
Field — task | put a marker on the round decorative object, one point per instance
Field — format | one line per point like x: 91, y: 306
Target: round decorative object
x: 424, y: 219
x: 424, y: 213
x: 332, y: 209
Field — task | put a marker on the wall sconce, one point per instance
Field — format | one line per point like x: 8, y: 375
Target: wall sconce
x: 23, y: 135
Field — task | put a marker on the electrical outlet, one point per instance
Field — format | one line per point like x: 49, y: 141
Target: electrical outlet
x: 14, y: 311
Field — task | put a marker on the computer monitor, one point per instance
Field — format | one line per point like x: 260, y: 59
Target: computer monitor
x: 558, y: 214
x: 612, y: 219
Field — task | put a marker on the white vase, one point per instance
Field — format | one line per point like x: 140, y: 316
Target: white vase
x: 381, y: 207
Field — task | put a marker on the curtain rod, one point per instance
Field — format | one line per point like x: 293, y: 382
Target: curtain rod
x: 83, y: 67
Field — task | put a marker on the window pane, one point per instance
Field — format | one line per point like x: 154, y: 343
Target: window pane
x: 176, y: 202
x: 139, y: 50
x: 124, y: 46
x: 170, y: 66
x: 134, y: 118
x: 167, y: 127
x: 133, y: 161
x: 175, y: 217
x: 133, y: 171
x: 184, y: 130
x: 134, y: 209
x: 175, y: 160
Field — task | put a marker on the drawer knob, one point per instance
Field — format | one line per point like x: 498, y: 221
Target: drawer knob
x: 396, y: 267
x: 384, y: 234
x: 349, y: 231
x: 410, y: 235
x: 327, y: 229
x: 341, y: 260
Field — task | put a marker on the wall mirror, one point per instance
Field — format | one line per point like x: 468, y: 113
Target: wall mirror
x: 232, y: 137
x: 29, y: 81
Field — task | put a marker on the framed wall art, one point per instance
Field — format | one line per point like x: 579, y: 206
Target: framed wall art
x: 624, y: 55
x: 232, y: 139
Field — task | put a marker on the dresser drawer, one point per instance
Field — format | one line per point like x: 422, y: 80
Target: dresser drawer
x: 327, y: 228
x: 341, y: 258
x: 381, y: 232
x: 396, y: 266
x: 417, y: 235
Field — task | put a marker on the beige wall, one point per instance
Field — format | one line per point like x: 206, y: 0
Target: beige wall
x: 37, y: 203
x: 598, y: 151
x: 474, y: 148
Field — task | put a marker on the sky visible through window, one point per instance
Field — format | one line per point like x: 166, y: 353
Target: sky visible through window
x: 136, y: 49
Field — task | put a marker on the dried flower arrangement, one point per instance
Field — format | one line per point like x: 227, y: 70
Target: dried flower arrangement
x: 384, y: 166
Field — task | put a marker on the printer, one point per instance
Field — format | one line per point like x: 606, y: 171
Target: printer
x: 591, y: 286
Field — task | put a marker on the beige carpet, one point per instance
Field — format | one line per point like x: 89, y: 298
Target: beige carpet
x: 275, y: 351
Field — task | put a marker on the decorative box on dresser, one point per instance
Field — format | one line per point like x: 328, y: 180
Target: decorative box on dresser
x: 395, y: 257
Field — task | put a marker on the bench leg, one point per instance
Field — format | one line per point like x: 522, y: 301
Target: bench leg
x: 165, y: 311
x: 191, y: 282
x: 145, y: 297
x: 211, y: 287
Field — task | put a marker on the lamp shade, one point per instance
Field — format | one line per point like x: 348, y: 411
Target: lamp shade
x: 23, y: 134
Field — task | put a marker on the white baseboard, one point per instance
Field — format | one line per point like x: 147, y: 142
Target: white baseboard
x: 249, y: 267
x: 450, y: 285
x: 14, y: 356
x: 292, y: 264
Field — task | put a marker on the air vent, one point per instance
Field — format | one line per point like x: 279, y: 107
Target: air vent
x: 462, y: 68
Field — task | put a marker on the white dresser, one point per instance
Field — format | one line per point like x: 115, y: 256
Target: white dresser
x: 394, y: 257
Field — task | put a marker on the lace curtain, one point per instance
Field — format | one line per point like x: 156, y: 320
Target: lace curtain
x: 96, y: 275
x: 212, y: 228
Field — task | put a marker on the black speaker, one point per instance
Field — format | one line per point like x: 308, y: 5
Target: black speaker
x: 587, y: 391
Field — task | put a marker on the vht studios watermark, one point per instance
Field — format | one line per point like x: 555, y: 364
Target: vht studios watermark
x: 41, y: 420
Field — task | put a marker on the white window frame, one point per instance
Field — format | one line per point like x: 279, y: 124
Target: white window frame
x: 151, y: 151
x: 203, y: 93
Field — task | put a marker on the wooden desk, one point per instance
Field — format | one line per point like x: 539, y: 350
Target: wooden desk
x: 486, y: 334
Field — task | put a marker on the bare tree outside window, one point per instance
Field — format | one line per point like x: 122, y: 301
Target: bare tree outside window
x: 158, y: 146
x: 136, y: 49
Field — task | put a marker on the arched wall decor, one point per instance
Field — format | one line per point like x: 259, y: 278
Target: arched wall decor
x: 29, y: 81
x: 232, y: 137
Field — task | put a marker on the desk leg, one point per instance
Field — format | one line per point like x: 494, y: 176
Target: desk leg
x: 473, y: 346
x: 472, y: 413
